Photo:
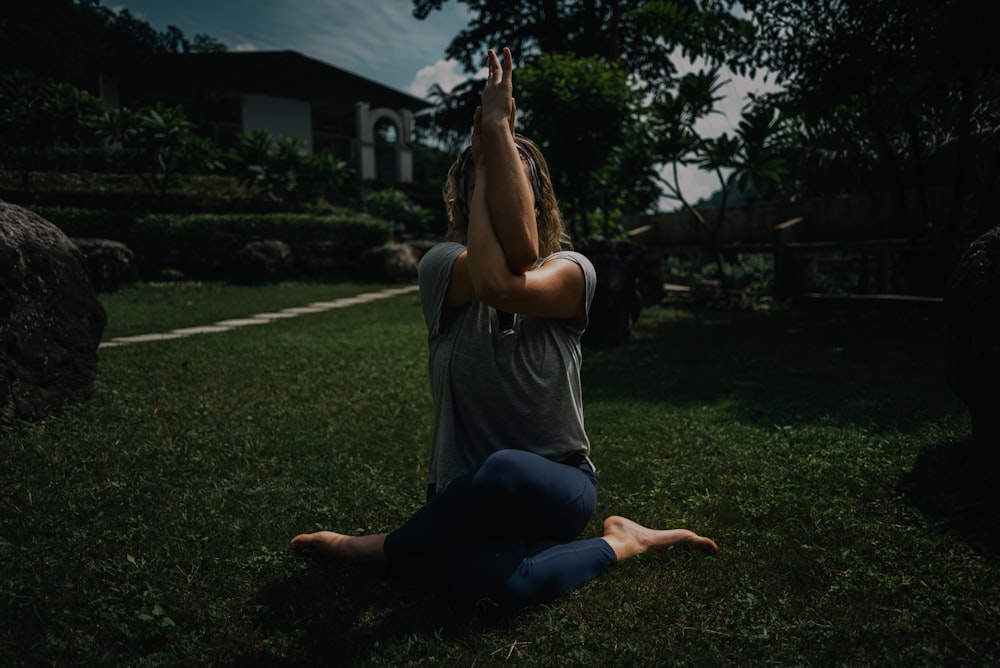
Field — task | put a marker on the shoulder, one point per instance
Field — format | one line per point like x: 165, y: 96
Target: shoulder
x: 444, y: 252
x: 573, y: 256
x: 435, y: 265
x: 581, y: 261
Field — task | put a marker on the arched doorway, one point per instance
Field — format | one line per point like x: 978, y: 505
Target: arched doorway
x: 387, y: 138
x: 384, y: 141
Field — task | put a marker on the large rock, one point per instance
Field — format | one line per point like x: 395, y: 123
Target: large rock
x: 109, y: 264
x: 972, y: 307
x: 51, y: 321
x: 390, y: 263
x: 268, y: 261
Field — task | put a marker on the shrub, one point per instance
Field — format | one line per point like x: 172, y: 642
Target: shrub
x: 206, y: 245
x: 408, y: 218
x: 282, y: 172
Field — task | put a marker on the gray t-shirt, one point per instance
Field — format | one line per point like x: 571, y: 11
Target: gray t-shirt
x: 494, y: 390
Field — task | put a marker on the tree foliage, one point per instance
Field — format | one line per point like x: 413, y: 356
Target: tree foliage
x: 70, y: 40
x: 592, y: 74
x: 891, y: 95
x: 876, y: 95
x: 450, y: 120
x: 38, y: 115
x: 594, y: 101
x: 281, y: 172
x: 640, y: 34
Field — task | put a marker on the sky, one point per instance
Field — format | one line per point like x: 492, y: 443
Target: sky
x: 380, y: 40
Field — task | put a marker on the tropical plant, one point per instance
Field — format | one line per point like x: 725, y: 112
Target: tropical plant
x: 893, y: 96
x: 37, y: 115
x: 583, y: 69
x: 166, y: 141
x: 282, y: 172
x: 393, y: 205
x: 594, y: 99
x: 751, y: 159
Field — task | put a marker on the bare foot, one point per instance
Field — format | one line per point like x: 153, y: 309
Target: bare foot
x: 341, y: 546
x: 628, y: 538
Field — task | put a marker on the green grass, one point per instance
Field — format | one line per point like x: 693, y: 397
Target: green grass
x: 151, y: 308
x: 823, y: 451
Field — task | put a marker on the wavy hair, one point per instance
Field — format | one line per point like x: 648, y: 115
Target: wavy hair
x: 552, y: 235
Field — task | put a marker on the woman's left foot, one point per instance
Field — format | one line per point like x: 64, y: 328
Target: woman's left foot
x: 367, y: 549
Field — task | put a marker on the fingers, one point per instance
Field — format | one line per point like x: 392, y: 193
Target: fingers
x: 477, y: 121
x: 495, y: 69
x: 500, y: 73
x: 497, y: 98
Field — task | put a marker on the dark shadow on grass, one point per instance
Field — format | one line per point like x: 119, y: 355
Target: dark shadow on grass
x: 869, y: 368
x: 344, y: 614
x: 955, y: 485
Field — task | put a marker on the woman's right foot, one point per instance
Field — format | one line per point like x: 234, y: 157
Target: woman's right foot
x: 628, y: 538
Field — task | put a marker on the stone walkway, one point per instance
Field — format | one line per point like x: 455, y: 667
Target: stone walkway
x: 260, y: 318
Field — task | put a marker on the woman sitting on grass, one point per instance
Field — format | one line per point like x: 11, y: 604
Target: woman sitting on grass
x: 511, y: 484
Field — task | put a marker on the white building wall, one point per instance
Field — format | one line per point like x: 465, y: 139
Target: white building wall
x: 278, y: 116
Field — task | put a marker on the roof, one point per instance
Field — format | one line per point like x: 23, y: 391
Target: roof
x: 278, y: 73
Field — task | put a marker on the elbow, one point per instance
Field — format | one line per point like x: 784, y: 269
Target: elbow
x: 492, y: 289
x: 523, y: 261
x: 486, y: 291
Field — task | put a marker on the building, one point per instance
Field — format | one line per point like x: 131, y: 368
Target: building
x: 285, y: 93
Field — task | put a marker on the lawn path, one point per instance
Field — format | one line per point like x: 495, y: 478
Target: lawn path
x: 260, y: 318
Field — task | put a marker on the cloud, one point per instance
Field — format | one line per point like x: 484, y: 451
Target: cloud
x: 380, y: 40
x: 445, y: 73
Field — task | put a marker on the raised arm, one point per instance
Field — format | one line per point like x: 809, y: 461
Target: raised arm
x: 509, y: 195
x: 486, y: 260
x: 502, y: 236
x: 554, y: 290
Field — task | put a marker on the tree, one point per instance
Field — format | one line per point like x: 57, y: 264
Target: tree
x: 594, y: 102
x: 203, y: 43
x: 450, y: 121
x: 886, y: 90
x: 37, y: 115
x: 749, y: 160
x: 168, y: 145
x: 280, y: 171
x: 621, y: 51
x: 640, y: 34
x: 69, y: 41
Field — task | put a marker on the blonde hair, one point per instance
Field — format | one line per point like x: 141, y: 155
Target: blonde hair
x: 552, y: 235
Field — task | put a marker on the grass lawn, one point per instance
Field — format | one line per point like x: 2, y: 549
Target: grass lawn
x: 823, y: 451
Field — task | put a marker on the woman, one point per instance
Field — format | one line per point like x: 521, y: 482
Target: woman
x: 511, y: 484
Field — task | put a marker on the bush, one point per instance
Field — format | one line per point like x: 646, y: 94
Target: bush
x: 752, y: 273
x: 282, y: 172
x: 206, y: 245
x: 410, y: 220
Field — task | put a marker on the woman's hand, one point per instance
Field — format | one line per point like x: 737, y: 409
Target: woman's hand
x: 477, y: 131
x: 509, y: 197
x: 498, y: 94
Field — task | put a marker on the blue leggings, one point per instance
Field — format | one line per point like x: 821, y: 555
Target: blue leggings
x: 506, y: 531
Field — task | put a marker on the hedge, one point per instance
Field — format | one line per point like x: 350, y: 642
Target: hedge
x: 205, y: 246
